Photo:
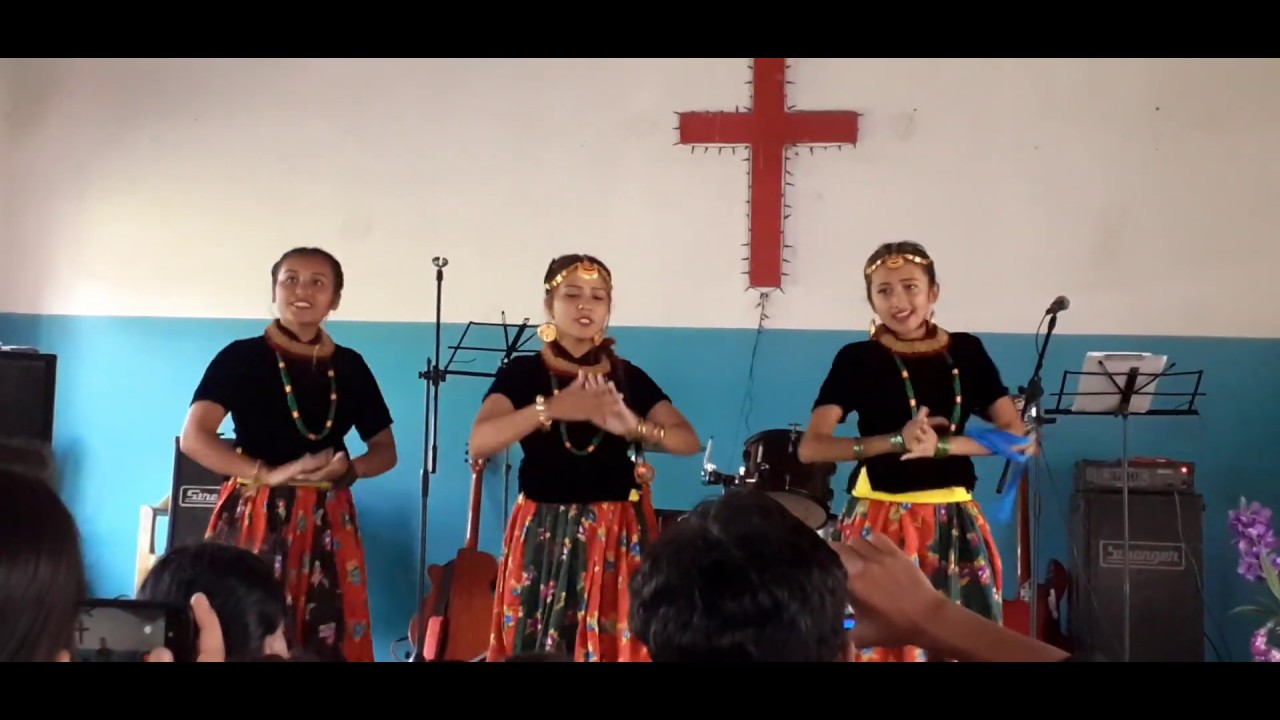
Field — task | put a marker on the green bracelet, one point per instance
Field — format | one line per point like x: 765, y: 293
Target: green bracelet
x: 897, y: 442
x: 943, y: 449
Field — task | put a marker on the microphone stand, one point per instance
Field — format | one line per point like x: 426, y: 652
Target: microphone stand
x: 434, y: 375
x: 1032, y: 409
x: 430, y: 434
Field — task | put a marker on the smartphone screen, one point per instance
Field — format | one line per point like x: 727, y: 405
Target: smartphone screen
x: 128, y: 630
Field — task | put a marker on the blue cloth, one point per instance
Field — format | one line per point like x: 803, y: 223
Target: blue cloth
x: 1002, y: 443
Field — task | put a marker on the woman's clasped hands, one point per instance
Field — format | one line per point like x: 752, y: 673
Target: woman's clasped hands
x: 593, y: 398
x: 920, y: 435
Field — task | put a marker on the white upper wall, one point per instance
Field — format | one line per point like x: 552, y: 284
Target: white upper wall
x: 6, y: 102
x: 1144, y: 190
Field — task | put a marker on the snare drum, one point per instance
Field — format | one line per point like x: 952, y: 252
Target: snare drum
x: 771, y: 464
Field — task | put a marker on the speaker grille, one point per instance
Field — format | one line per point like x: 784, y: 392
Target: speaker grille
x: 27, y: 387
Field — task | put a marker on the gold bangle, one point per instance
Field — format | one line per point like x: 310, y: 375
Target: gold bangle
x: 652, y: 433
x: 540, y: 405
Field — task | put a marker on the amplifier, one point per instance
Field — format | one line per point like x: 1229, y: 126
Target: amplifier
x: 193, y: 496
x: 1166, y: 560
x: 1146, y: 475
x: 28, y: 384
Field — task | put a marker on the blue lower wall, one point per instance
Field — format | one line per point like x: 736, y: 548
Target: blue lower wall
x: 124, y: 385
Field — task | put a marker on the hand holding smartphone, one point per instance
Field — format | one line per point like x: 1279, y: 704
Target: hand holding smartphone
x: 129, y: 630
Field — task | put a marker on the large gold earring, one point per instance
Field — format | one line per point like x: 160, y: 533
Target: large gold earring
x: 547, y: 331
x: 872, y: 331
x: 599, y: 338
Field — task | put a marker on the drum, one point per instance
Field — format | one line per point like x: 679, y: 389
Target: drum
x: 770, y: 464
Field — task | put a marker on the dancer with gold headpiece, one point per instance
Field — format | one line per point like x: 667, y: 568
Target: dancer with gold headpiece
x: 913, y: 386
x: 294, y: 395
x: 584, y: 513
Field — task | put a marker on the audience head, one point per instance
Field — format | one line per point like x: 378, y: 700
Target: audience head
x: 42, y: 578
x: 740, y: 579
x: 241, y: 587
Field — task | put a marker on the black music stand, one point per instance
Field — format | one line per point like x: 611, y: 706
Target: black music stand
x: 434, y: 375
x: 1101, y: 394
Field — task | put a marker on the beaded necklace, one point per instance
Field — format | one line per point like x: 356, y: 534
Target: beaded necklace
x: 936, y: 341
x: 564, y: 429
x: 911, y: 391
x: 293, y: 402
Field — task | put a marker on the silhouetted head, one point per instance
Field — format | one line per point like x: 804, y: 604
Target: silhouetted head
x: 42, y: 577
x: 241, y: 587
x: 740, y: 579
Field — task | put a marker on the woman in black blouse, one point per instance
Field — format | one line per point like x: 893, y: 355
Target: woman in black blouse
x: 584, y: 514
x: 913, y: 386
x: 293, y: 396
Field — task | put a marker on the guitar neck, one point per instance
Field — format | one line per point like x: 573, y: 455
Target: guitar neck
x: 473, y: 513
x: 1024, y: 511
x: 1024, y: 534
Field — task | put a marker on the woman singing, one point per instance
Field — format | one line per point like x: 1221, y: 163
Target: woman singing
x: 913, y: 385
x: 294, y: 395
x: 584, y: 513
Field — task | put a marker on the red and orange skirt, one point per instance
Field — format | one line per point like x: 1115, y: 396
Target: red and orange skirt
x: 946, y: 534
x: 563, y: 580
x: 310, y: 535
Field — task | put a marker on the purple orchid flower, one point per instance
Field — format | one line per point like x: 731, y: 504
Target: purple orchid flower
x: 1255, y: 539
x: 1261, y: 650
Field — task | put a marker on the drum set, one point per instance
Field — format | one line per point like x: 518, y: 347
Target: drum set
x: 771, y: 464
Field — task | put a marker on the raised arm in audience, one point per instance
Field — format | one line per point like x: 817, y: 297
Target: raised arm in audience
x: 895, y: 605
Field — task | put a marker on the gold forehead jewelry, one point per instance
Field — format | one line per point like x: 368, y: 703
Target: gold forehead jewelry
x: 587, y: 269
x: 896, y: 261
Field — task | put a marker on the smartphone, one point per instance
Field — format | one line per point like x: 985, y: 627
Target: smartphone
x: 128, y: 630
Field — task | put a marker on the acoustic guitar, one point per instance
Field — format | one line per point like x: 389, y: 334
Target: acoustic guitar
x: 459, y: 607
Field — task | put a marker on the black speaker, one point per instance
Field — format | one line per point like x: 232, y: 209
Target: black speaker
x: 1166, y: 577
x: 192, y: 498
x: 27, y: 386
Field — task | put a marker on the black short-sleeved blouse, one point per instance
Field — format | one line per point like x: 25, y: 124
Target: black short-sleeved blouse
x: 864, y: 380
x: 549, y: 472
x: 244, y: 378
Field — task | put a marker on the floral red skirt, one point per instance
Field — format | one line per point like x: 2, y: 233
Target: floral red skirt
x: 563, y: 580
x: 952, y: 544
x: 312, y: 539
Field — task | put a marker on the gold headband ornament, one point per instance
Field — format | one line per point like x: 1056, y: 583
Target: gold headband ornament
x: 895, y: 261
x: 584, y: 268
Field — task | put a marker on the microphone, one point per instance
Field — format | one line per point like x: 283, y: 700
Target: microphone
x: 1058, y: 305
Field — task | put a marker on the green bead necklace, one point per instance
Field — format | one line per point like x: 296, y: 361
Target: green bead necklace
x: 564, y: 430
x: 911, y: 391
x: 293, y: 402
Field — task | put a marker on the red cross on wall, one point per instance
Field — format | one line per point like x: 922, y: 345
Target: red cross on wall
x: 768, y: 127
